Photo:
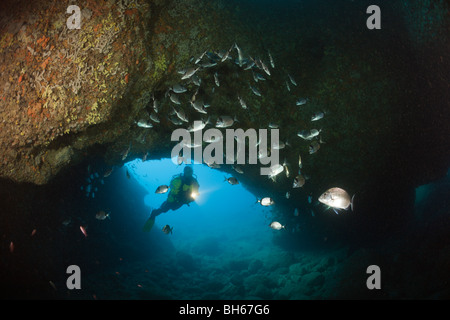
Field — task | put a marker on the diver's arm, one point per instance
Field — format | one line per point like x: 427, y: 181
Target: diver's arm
x: 195, y: 186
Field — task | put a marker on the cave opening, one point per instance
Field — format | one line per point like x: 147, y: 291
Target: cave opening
x: 216, y: 241
x: 222, y: 218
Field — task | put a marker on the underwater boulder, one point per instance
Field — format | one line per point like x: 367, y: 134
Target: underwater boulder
x: 313, y: 279
x: 262, y: 291
x: 299, y: 269
x: 237, y: 279
x: 325, y: 263
x: 212, y: 286
x: 255, y: 266
x: 280, y: 259
x: 210, y: 246
x: 238, y: 265
x: 231, y: 291
x: 186, y: 261
x: 266, y: 280
x: 296, y: 268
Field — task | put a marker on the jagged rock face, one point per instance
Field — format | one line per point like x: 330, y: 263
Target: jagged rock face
x: 58, y: 83
x: 65, y: 92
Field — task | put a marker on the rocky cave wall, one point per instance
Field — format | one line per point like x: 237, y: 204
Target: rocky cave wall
x: 67, y: 93
x: 65, y: 90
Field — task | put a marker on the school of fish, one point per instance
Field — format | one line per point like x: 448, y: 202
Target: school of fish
x: 202, y: 77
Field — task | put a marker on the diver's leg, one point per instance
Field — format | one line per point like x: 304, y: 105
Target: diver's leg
x: 151, y: 221
x: 176, y: 205
x: 164, y: 208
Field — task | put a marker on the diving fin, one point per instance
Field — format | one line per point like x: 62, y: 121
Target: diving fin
x: 148, y: 225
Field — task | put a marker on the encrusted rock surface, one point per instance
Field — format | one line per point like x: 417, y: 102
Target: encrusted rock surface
x: 64, y: 92
x: 74, y: 88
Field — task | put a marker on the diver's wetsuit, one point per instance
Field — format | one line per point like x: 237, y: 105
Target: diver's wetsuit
x: 181, y: 189
x: 166, y: 206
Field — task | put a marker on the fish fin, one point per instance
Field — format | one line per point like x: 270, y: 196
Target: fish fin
x: 335, y: 211
x: 351, y: 202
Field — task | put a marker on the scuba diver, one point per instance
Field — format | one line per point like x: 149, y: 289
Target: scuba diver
x: 183, y: 190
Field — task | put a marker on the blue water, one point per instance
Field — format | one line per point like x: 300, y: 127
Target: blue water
x: 220, y: 247
x: 224, y: 211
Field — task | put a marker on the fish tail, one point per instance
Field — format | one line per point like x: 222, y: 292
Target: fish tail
x: 351, y: 202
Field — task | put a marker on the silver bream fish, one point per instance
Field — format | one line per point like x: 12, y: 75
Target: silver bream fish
x: 225, y: 121
x: 337, y: 198
x: 267, y: 201
x: 144, y: 124
x: 232, y: 180
x: 162, y: 189
x: 276, y: 225
x: 301, y: 101
x: 317, y: 115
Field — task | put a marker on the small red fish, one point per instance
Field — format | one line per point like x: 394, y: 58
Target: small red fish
x: 33, y: 232
x: 11, y: 247
x: 140, y: 286
x: 84, y: 231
